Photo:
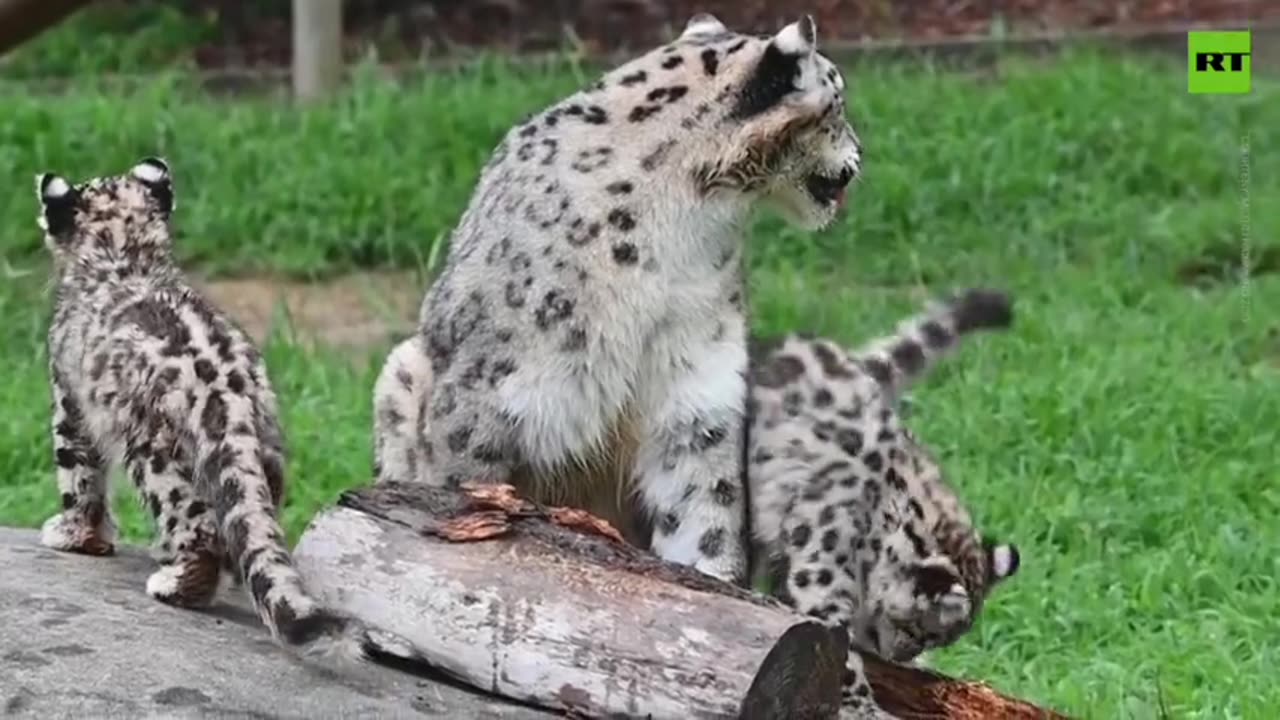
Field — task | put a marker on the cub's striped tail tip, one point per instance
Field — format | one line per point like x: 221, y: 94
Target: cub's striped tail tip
x: 329, y: 636
x: 325, y: 635
x: 981, y: 308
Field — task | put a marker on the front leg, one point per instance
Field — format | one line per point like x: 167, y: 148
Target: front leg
x: 468, y: 438
x: 856, y: 699
x: 687, y: 470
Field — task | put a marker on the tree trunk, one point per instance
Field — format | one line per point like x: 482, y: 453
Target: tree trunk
x: 549, y: 606
x: 21, y: 20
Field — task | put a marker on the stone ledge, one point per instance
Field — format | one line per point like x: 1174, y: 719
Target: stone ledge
x: 80, y: 639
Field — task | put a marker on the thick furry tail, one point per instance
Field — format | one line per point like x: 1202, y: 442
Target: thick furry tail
x: 899, y: 359
x: 400, y: 451
x: 232, y: 472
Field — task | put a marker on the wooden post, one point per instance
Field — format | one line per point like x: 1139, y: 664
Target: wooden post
x: 317, y: 47
x: 21, y: 20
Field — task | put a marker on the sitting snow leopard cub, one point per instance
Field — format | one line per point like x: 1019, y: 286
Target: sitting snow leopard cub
x: 148, y: 374
x: 854, y: 515
x: 586, y: 340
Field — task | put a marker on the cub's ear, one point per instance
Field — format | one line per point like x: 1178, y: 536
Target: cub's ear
x: 58, y: 199
x: 154, y: 173
x: 1003, y: 560
x: 703, y: 24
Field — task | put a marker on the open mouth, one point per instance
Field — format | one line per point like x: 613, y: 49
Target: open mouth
x: 825, y: 189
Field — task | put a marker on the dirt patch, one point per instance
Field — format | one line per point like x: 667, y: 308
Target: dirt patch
x: 351, y: 313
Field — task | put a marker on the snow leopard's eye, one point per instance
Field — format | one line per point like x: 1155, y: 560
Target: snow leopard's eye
x: 936, y: 580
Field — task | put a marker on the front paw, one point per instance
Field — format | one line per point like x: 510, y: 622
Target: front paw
x: 71, y: 532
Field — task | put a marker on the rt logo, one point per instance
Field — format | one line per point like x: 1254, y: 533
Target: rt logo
x: 1218, y: 63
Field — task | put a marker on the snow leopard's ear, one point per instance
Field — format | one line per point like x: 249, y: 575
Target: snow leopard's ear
x: 785, y: 70
x: 1003, y: 560
x: 800, y: 38
x: 153, y: 172
x: 58, y: 200
x: 703, y: 24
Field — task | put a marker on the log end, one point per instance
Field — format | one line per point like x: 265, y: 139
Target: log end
x: 800, y: 677
x: 913, y: 693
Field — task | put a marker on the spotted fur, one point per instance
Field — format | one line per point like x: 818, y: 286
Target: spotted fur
x: 586, y: 339
x: 147, y: 374
x: 853, y: 513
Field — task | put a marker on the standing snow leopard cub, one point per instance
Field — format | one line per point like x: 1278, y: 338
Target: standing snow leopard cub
x: 586, y: 340
x: 855, y: 514
x: 146, y: 373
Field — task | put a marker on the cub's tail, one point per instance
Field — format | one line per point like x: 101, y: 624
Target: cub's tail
x: 232, y: 470
x: 400, y: 452
x: 910, y: 352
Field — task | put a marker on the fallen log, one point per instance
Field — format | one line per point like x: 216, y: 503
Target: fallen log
x: 551, y: 607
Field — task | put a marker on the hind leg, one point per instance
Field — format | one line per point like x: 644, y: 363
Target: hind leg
x: 189, y: 551
x: 469, y: 440
x: 84, y: 525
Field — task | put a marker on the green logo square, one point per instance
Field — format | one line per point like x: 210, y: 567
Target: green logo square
x: 1218, y: 63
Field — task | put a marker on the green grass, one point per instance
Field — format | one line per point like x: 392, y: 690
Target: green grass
x: 139, y: 36
x: 1123, y: 434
